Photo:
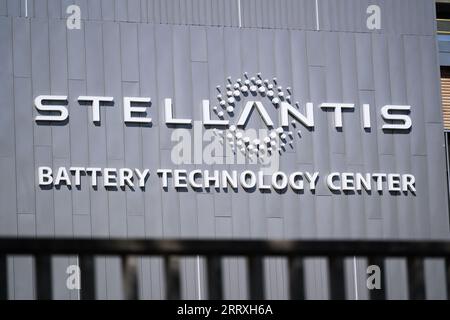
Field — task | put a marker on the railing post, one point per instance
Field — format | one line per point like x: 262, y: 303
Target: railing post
x: 296, y: 278
x: 416, y: 278
x: 43, y: 277
x: 255, y: 272
x: 336, y: 276
x: 129, y: 277
x: 172, y: 265
x: 3, y: 277
x: 214, y: 272
x: 87, y: 274
x: 447, y: 269
x: 378, y: 294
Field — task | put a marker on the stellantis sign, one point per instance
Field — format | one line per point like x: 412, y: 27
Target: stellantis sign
x: 252, y: 94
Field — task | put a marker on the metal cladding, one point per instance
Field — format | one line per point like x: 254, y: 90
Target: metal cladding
x: 174, y: 56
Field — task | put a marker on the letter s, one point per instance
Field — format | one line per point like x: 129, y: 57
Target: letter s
x: 403, y: 120
x: 63, y: 113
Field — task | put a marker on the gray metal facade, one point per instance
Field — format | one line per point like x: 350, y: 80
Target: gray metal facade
x: 183, y: 49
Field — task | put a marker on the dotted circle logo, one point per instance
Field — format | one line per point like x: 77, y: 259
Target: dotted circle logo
x: 277, y: 139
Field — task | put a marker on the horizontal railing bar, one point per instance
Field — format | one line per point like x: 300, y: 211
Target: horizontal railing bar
x: 207, y: 247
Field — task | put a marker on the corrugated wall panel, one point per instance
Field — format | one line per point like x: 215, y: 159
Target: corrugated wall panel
x: 395, y: 65
x: 345, y: 15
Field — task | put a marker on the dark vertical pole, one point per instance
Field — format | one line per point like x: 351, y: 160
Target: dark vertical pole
x: 87, y: 274
x: 129, y: 278
x: 375, y: 293
x: 416, y: 278
x: 172, y: 265
x: 256, y: 277
x: 3, y: 277
x: 214, y: 271
x: 43, y: 277
x: 296, y: 279
x: 447, y: 269
x: 336, y: 276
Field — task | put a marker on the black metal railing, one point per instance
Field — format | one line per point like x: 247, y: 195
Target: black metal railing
x: 214, y: 251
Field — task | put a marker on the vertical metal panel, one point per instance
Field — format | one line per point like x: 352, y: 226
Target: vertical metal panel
x: 95, y: 9
x: 100, y: 277
x: 276, y: 269
x: 96, y: 134
x: 40, y: 8
x: 186, y: 64
x: 7, y: 140
x: 134, y: 11
x: 121, y: 10
x: 144, y: 11
x: 114, y: 287
x: 382, y: 88
x: 435, y: 271
x: 320, y: 137
x: 404, y: 145
x: 63, y: 206
x: 13, y: 8
x: 79, y: 143
x: 129, y: 46
x: 40, y: 64
x: 108, y: 10
x: 113, y: 114
x: 81, y: 225
x: 21, y: 47
x: 45, y: 218
x: 75, y: 60
x: 370, y: 155
x: 351, y: 128
x: 117, y: 207
x: 334, y: 85
x: 24, y: 288
x: 412, y: 59
x: 342, y: 222
x: 3, y: 7
x: 24, y: 146
x: 58, y: 83
x: 437, y: 187
x: 133, y: 155
x: 54, y: 9
x: 429, y: 74
x: 421, y: 200
x: 164, y: 73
